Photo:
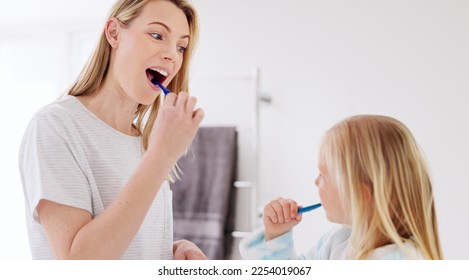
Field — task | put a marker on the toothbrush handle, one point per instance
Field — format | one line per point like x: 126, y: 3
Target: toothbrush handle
x: 156, y: 83
x: 309, y: 208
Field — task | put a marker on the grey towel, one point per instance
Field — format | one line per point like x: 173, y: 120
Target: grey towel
x: 204, y: 195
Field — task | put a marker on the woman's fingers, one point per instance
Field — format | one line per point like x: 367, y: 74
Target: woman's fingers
x: 190, y: 103
x: 198, y: 116
x: 176, y: 125
x: 170, y: 99
x: 181, y: 100
x: 186, y: 250
x: 186, y: 104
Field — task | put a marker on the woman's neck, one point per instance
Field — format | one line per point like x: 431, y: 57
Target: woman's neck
x: 115, y: 109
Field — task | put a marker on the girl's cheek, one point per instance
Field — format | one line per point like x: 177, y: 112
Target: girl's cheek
x: 321, y: 197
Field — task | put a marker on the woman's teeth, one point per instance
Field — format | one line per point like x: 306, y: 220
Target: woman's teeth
x: 160, y: 71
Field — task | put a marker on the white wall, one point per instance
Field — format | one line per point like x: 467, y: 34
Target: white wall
x: 320, y: 61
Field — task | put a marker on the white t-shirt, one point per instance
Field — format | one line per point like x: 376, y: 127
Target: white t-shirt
x: 70, y: 156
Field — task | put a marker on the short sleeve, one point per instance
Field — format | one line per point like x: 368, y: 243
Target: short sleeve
x: 52, y: 165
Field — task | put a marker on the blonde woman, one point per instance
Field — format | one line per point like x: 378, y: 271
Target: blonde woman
x: 94, y: 164
x: 374, y: 182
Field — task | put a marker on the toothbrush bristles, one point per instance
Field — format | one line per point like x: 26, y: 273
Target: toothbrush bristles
x: 157, y: 83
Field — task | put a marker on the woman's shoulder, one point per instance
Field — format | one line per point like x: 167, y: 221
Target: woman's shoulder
x: 59, y: 117
x: 62, y: 106
x: 61, y: 112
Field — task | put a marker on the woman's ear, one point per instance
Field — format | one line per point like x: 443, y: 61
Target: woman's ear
x: 112, y: 30
x: 367, y: 193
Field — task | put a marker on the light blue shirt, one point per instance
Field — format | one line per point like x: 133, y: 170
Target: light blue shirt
x: 331, y: 246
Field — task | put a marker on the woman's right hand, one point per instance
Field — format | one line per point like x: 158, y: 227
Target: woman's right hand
x: 175, y: 126
x: 280, y: 216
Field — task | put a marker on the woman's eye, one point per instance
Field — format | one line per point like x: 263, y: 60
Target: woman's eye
x: 156, y: 36
x: 181, y: 49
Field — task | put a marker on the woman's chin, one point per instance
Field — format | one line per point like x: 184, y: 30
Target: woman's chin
x: 148, y: 99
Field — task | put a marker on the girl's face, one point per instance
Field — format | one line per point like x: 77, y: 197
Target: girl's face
x: 329, y: 195
x: 152, y: 46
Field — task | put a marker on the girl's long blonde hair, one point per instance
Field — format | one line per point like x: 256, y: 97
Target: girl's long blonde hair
x: 384, y: 184
x: 94, y: 73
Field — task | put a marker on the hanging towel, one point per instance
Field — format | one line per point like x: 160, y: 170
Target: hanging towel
x: 204, y: 195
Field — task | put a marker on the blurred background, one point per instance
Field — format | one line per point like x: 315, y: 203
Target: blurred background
x: 298, y: 66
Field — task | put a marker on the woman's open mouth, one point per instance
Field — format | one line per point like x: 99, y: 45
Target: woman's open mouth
x: 157, y: 74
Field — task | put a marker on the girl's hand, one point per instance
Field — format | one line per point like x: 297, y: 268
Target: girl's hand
x: 280, y: 216
x: 176, y: 126
x: 186, y: 250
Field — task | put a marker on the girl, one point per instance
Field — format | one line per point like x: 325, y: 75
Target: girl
x: 374, y: 182
x: 94, y: 164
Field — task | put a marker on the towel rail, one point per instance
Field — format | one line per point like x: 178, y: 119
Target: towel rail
x: 225, y: 95
x: 243, y: 184
x: 239, y: 234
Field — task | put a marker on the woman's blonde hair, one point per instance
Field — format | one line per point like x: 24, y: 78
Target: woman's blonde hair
x: 384, y: 184
x: 94, y: 73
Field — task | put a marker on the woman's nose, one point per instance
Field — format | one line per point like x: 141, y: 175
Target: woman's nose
x: 170, y: 53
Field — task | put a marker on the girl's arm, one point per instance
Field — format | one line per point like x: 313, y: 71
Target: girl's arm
x: 275, y: 241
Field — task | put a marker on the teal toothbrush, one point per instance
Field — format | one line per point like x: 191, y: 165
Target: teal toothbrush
x: 308, y: 208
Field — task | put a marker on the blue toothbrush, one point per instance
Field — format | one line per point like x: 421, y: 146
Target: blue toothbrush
x: 308, y: 208
x: 156, y: 83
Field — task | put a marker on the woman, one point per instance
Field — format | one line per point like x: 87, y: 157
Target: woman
x: 95, y: 164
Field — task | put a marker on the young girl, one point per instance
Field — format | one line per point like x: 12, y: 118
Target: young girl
x: 374, y: 182
x: 94, y: 165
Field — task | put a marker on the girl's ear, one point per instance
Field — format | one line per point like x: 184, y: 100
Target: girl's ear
x: 112, y: 30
